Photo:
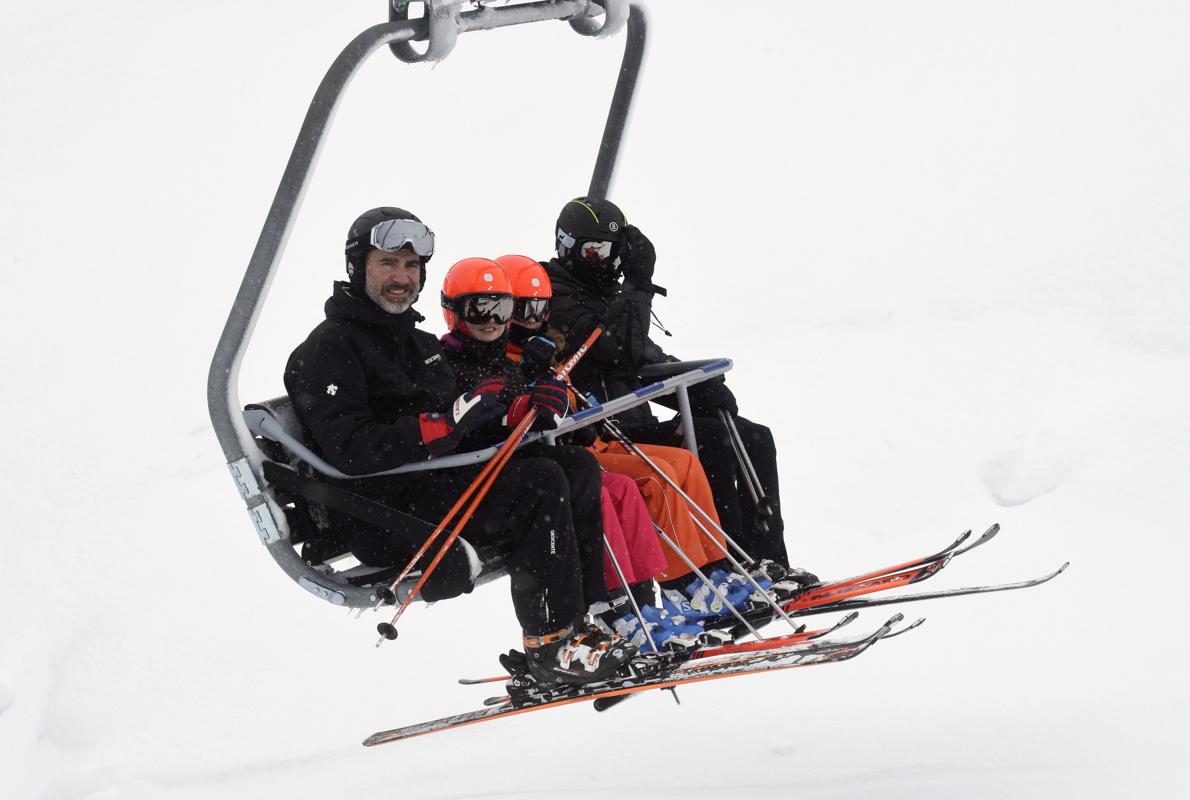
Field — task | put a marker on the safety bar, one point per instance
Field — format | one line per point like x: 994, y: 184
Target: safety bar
x: 676, y: 384
x: 261, y: 423
x: 667, y: 368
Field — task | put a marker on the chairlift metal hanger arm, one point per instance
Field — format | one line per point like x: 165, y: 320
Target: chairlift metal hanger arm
x: 443, y: 21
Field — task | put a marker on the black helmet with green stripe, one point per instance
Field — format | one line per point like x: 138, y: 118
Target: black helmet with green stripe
x: 589, y: 238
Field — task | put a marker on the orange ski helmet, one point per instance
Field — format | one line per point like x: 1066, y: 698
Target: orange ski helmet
x: 531, y: 288
x: 476, y: 290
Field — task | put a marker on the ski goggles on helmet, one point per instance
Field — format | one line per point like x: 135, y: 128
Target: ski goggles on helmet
x: 531, y: 308
x: 596, y: 251
x: 480, y: 308
x: 393, y: 234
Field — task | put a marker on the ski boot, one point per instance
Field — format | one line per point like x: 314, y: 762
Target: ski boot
x: 523, y: 689
x: 577, y: 654
x: 791, y: 582
x: 701, y: 603
x: 668, y: 633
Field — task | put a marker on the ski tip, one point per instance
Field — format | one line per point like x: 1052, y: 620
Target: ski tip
x: 895, y: 618
x: 906, y: 629
x: 850, y: 618
x: 1062, y: 568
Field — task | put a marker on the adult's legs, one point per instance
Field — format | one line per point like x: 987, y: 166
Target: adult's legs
x: 762, y: 451
x: 527, y: 512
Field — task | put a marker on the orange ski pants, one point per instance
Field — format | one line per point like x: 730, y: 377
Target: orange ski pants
x: 666, y: 507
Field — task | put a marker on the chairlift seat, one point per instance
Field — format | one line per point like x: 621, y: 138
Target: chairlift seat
x: 281, y: 437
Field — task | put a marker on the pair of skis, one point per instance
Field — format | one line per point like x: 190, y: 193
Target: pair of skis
x: 798, y: 649
x: 664, y: 672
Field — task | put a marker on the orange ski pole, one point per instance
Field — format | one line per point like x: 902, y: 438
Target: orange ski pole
x: 475, y: 491
x: 389, y: 594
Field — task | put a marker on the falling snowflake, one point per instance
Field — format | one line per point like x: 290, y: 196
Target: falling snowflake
x: 331, y: 389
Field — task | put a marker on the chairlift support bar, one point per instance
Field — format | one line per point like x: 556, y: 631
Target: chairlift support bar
x: 444, y: 20
x: 262, y: 422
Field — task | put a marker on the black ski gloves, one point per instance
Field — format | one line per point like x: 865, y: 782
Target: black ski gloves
x: 708, y: 397
x: 549, y: 396
x: 536, y: 356
x: 442, y: 433
x: 640, y: 257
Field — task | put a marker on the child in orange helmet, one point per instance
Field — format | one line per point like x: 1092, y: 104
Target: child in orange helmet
x: 477, y: 304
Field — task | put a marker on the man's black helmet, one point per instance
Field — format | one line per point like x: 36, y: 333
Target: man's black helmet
x: 589, y: 240
x: 588, y: 219
x: 359, y: 242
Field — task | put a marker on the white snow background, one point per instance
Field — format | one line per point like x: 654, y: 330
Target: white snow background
x: 946, y: 244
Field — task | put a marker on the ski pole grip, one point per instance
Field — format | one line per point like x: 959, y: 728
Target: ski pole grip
x: 579, y: 353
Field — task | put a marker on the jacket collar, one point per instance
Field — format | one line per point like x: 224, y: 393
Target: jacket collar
x: 473, y: 350
x: 346, y: 304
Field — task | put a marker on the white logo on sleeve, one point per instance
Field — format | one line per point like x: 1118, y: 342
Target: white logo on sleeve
x: 331, y: 389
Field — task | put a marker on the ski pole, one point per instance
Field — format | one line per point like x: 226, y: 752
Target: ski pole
x: 475, y: 491
x: 742, y: 452
x: 755, y: 489
x: 635, y: 608
x: 715, y: 589
x: 631, y: 446
x: 388, y: 595
x: 747, y: 575
x: 740, y: 460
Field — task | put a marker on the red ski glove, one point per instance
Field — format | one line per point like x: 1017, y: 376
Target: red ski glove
x: 549, y: 396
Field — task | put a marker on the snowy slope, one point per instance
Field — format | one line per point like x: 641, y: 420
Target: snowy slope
x: 945, y: 243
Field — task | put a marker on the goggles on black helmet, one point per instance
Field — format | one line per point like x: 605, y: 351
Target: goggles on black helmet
x: 393, y: 234
x: 596, y: 251
x: 480, y: 308
x: 531, y: 308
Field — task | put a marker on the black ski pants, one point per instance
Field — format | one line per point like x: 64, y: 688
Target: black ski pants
x: 526, y: 512
x: 586, y: 509
x: 737, y: 512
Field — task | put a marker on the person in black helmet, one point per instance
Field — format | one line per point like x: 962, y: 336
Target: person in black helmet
x: 602, y: 273
x: 373, y: 393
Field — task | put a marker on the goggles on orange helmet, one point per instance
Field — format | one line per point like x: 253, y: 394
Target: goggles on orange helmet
x: 477, y: 309
x: 531, y: 308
